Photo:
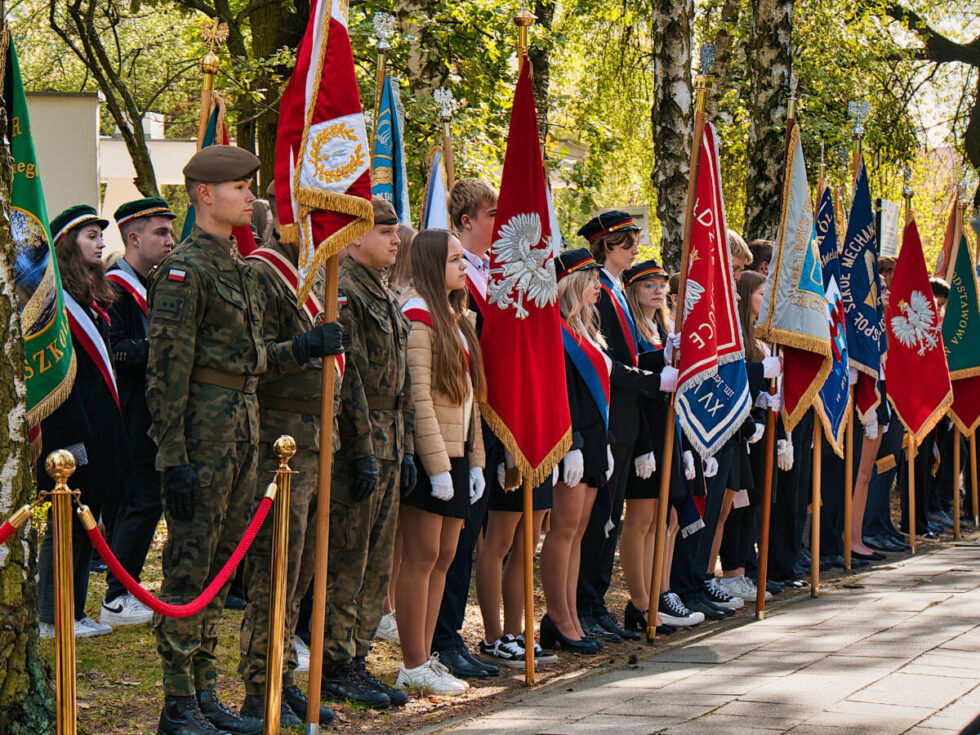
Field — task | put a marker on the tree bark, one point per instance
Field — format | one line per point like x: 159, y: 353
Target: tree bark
x: 26, y: 707
x: 672, y: 118
x: 770, y: 65
x: 426, y: 71
x: 724, y: 41
x: 540, y: 56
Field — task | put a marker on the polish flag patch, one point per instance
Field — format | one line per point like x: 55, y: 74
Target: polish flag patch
x: 176, y: 275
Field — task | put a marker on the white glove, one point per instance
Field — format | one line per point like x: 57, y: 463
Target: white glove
x: 501, y: 474
x: 78, y: 452
x: 871, y: 427
x: 784, y: 454
x: 477, y: 484
x: 760, y: 429
x: 689, y: 472
x: 852, y: 376
x: 645, y: 465
x: 574, y: 468
x: 442, y: 486
x: 668, y: 379
x: 672, y: 346
x: 612, y: 464
x: 710, y: 467
x: 774, y: 401
x: 772, y: 367
x: 554, y: 476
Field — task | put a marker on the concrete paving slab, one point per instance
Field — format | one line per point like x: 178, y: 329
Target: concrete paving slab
x: 924, y: 691
x: 611, y: 725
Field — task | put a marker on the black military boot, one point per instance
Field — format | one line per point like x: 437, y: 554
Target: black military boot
x: 340, y: 681
x: 223, y: 718
x: 297, y: 702
x: 397, y: 697
x: 182, y: 716
x: 254, y: 708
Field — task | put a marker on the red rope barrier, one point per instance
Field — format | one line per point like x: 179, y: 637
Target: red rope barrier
x: 6, y: 531
x: 191, y: 608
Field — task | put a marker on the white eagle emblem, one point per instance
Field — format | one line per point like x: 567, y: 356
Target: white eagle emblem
x: 917, y: 328
x: 523, y: 272
x: 692, y: 295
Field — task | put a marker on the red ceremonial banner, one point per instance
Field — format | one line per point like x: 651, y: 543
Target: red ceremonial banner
x: 527, y: 403
x: 915, y: 343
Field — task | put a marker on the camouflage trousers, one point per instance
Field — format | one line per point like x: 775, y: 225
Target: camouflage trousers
x: 362, y: 540
x: 300, y: 558
x: 194, y: 554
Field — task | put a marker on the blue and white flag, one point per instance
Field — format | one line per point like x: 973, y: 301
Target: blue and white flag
x: 860, y: 288
x: 435, y: 211
x: 834, y: 395
x: 389, y: 179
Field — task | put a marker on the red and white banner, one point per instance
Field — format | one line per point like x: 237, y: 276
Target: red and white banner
x: 290, y: 278
x: 131, y: 284
x: 527, y: 402
x: 83, y: 329
x: 323, y: 161
x: 915, y: 343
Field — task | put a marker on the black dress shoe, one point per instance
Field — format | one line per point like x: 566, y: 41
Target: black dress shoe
x: 698, y: 603
x: 340, y: 682
x: 881, y: 543
x: 606, y: 622
x: 463, y: 667
x: 490, y: 668
x: 859, y: 563
x: 552, y: 638
x: 874, y: 556
x: 254, y: 708
x: 397, y: 697
x: 774, y: 587
x: 223, y: 718
x: 805, y: 556
x: 234, y: 602
x: 930, y: 536
x: 183, y: 716
x: 831, y: 562
x: 592, y: 629
x: 294, y: 697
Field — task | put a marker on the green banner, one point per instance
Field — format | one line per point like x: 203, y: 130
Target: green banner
x: 49, y: 362
x: 961, y: 323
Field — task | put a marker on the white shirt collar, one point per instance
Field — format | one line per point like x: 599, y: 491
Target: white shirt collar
x: 616, y: 282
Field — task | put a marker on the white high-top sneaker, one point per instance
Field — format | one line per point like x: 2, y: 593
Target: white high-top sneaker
x: 431, y: 676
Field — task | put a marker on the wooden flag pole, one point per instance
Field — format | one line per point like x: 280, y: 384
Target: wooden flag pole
x: 973, y: 480
x: 956, y: 482
x: 522, y: 20
x: 911, y: 473
x: 702, y: 84
x: 324, y: 467
x: 815, y: 512
x: 848, y: 488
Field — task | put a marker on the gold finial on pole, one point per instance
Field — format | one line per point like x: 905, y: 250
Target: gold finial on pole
x: 213, y: 32
x: 285, y: 449
x: 447, y: 106
x: 60, y: 465
x: 794, y: 83
x: 523, y: 21
x: 858, y: 111
x: 907, y: 193
x: 703, y: 81
x: 384, y: 29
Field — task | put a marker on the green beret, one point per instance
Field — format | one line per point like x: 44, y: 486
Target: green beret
x: 218, y: 163
x: 149, y: 207
x: 80, y: 214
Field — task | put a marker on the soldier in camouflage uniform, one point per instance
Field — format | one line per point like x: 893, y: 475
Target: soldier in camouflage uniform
x: 376, y: 421
x: 289, y: 403
x: 206, y: 347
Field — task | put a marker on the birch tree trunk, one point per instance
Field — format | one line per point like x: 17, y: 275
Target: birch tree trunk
x: 540, y: 56
x: 770, y: 65
x: 26, y: 707
x: 672, y: 117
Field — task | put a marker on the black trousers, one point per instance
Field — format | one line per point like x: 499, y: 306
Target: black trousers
x: 738, y: 538
x: 599, y: 550
x: 135, y: 523
x: 791, y: 493
x: 453, y: 606
x: 81, y: 557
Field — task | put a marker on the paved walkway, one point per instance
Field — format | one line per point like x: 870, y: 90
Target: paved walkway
x: 897, y: 652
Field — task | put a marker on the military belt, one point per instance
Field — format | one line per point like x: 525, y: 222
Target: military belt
x: 385, y: 403
x: 309, y: 406
x: 231, y: 381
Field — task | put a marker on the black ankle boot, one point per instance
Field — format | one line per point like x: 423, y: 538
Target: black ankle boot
x: 223, y: 718
x: 396, y: 696
x: 182, y: 716
x: 254, y: 708
x: 297, y: 702
x: 340, y: 682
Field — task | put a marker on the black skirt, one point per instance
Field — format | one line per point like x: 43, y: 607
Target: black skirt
x: 513, y: 502
x: 458, y: 506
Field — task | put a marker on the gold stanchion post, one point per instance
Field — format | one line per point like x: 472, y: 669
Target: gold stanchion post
x: 60, y: 465
x: 285, y: 448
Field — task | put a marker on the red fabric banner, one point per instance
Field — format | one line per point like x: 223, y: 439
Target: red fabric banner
x: 527, y: 403
x: 915, y: 343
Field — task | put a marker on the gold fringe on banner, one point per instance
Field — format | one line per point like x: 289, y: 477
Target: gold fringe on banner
x: 535, y: 475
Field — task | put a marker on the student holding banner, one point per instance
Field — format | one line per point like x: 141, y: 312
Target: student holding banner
x: 89, y: 423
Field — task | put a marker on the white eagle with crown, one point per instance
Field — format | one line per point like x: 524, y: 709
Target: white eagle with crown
x: 523, y: 272
x: 917, y: 327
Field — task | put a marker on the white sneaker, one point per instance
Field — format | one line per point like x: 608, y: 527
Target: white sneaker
x: 720, y: 597
x: 673, y: 612
x: 388, y: 628
x: 125, y: 610
x: 733, y: 586
x: 748, y: 586
x: 431, y: 676
x: 302, y: 655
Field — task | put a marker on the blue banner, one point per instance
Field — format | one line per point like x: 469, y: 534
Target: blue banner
x: 715, y: 408
x: 835, y: 393
x: 389, y: 179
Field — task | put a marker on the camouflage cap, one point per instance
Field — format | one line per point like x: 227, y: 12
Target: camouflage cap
x: 218, y: 163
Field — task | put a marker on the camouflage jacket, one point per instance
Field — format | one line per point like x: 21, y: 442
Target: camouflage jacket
x: 376, y: 369
x: 203, y: 312
x: 286, y: 379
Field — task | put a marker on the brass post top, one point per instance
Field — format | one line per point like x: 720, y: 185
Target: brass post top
x: 60, y: 464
